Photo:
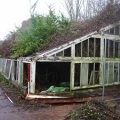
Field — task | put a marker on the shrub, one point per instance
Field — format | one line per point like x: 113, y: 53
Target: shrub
x: 40, y: 33
x: 92, y: 111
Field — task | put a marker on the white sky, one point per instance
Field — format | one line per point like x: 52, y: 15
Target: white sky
x: 13, y: 12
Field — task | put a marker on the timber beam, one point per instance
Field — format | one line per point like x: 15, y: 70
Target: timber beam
x: 107, y: 36
x: 69, y: 59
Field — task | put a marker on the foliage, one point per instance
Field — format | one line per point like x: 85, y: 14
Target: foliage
x: 40, y: 33
x: 92, y: 111
x: 5, y: 82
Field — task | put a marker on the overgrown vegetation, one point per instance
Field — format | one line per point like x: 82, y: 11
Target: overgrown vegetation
x: 50, y: 31
x: 92, y: 111
x: 4, y: 81
x: 40, y: 33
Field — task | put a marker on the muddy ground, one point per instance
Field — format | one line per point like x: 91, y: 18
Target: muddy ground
x: 32, y: 110
x: 21, y: 109
x: 13, y: 111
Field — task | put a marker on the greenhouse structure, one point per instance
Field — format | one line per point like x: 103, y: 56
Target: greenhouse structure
x: 90, y: 61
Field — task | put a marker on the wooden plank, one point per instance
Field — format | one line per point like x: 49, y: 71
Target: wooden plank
x: 118, y: 72
x: 32, y: 77
x: 20, y: 75
x: 70, y: 59
x: 113, y: 49
x: 5, y: 66
x: 94, y: 47
x: 17, y: 71
x: 108, y: 36
x: 108, y: 49
x: 94, y: 86
x: 60, y: 100
x: 88, y: 47
x: 31, y: 96
x: 108, y: 73
x: 77, y: 59
x: 12, y: 72
x: 10, y: 69
x: 102, y: 59
x: 119, y: 29
x: 113, y: 72
x: 72, y: 72
x: 81, y: 45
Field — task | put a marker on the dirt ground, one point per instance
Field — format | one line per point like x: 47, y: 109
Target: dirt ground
x: 12, y: 111
x: 31, y: 110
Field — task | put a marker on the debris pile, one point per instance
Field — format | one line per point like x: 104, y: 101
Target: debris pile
x: 93, y: 111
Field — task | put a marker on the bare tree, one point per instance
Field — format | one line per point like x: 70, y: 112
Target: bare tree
x: 33, y: 7
x: 84, y: 9
x: 73, y: 8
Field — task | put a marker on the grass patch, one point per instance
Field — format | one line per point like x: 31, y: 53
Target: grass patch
x: 5, y: 82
